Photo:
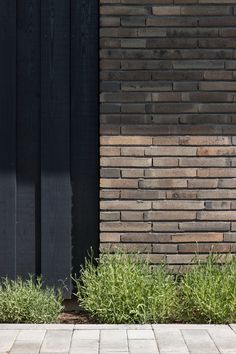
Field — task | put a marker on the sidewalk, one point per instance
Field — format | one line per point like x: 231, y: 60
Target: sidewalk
x: 117, y: 339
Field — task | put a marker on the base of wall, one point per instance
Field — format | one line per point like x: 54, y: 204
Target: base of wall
x: 168, y: 197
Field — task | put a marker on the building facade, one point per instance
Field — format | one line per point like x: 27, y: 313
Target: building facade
x: 167, y: 127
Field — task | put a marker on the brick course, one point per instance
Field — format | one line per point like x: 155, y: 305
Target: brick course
x: 168, y: 120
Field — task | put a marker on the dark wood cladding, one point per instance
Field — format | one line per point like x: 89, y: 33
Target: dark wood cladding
x: 48, y: 137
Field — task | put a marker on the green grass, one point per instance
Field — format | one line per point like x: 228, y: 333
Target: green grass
x: 121, y: 288
x: 208, y: 292
x: 28, y: 302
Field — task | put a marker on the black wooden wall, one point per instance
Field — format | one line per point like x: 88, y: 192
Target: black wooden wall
x: 48, y: 136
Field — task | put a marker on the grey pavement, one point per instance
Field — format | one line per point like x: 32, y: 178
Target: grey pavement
x: 117, y: 339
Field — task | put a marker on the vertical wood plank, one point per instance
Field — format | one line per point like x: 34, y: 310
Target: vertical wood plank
x: 28, y: 135
x: 84, y: 128
x: 55, y: 142
x: 7, y: 136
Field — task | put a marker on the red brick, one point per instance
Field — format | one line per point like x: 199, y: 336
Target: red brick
x: 163, y: 183
x: 127, y: 247
x: 166, y: 10
x: 216, y: 172
x: 171, y: 151
x: 154, y: 258
x: 170, y: 215
x: 230, y: 237
x: 125, y: 226
x: 125, y: 140
x: 145, y: 237
x: 109, y: 151
x: 142, y: 194
x: 202, y: 183
x: 132, y: 216
x: 132, y: 151
x: 165, y: 226
x: 132, y: 173
x: 216, y: 151
x: 109, y: 237
x: 166, y: 140
x: 118, y: 183
x: 216, y: 194
x: 125, y: 205
x: 109, y: 194
x: 123, y: 10
x: 166, y: 172
x: 204, y: 226
x: 204, y: 247
x: 165, y: 162
x: 204, y: 140
x: 217, y: 215
x: 221, y: 205
x: 204, y: 162
x: 198, y: 237
x: 162, y: 248
x: 184, y: 259
x: 125, y: 162
x: 178, y: 205
x: 110, y: 216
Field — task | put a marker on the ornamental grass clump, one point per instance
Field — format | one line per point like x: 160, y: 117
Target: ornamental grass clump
x: 121, y: 288
x: 208, y: 292
x: 28, y: 302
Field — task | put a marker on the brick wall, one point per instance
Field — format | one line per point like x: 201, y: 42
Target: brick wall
x: 168, y: 119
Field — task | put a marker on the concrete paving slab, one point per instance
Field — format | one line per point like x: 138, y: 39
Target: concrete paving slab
x: 56, y: 341
x: 102, y: 352
x: 113, y: 326
x: 85, y: 341
x: 112, y: 340
x: 141, y: 346
x: 140, y: 334
x: 84, y: 346
x: 85, y: 334
x: 224, y: 338
x: 170, y: 341
x: 31, y: 335
x: 55, y: 352
x: 19, y: 326
x: 7, y: 339
x: 233, y: 326
x: 184, y: 326
x: 121, y: 339
x: 198, y: 341
x: 25, y: 347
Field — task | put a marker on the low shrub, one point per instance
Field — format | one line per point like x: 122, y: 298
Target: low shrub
x: 28, y: 302
x: 121, y: 288
x: 208, y: 292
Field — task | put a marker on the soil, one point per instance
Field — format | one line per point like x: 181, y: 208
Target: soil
x: 74, y: 314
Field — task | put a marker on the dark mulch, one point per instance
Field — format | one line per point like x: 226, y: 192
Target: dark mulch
x: 73, y: 314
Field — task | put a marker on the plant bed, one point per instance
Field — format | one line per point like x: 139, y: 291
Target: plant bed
x: 28, y: 301
x: 74, y: 314
x: 122, y: 289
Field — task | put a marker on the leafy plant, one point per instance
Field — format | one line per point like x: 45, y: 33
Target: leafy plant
x: 121, y: 288
x: 28, y: 301
x: 208, y: 292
